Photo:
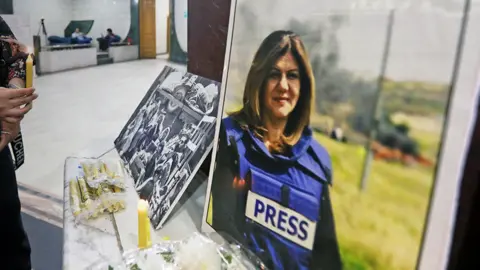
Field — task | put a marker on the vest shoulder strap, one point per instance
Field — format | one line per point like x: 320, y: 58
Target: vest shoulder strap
x: 321, y: 155
x: 236, y: 145
x: 233, y: 130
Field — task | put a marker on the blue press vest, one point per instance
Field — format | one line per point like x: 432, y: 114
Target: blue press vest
x: 284, y: 197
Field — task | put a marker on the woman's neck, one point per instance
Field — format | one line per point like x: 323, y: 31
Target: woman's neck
x: 275, y: 129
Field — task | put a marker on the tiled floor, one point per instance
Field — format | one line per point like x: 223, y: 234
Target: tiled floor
x: 80, y: 111
x: 77, y: 111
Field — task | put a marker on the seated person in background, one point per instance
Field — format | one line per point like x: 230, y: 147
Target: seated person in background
x: 110, y: 35
x: 79, y: 37
x: 78, y: 34
x: 105, y: 41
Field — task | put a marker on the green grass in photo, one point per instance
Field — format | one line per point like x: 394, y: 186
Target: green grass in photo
x: 380, y: 228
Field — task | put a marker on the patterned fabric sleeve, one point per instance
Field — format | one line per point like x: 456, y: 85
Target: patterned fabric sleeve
x: 10, y: 48
x: 17, y: 69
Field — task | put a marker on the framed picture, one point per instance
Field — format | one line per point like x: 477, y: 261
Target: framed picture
x: 167, y: 138
x: 336, y: 130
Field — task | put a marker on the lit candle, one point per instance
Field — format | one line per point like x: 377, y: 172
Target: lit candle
x: 29, y: 72
x: 142, y: 209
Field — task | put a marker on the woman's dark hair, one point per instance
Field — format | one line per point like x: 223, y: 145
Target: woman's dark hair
x: 109, y: 30
x: 4, y: 28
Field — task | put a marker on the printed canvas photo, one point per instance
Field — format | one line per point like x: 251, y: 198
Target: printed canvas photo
x: 330, y: 133
x: 167, y: 138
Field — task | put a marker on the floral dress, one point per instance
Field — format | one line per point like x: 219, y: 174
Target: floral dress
x: 12, y: 233
x: 13, y: 55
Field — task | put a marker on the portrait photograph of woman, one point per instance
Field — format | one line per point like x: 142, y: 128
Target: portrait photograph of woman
x: 330, y: 131
x: 273, y: 160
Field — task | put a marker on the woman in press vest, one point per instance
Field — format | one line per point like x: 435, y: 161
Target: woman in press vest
x: 15, y: 102
x: 270, y: 187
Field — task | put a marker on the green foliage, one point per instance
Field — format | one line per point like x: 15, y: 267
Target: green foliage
x: 414, y: 98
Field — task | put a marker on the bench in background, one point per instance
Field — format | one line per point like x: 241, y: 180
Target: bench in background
x: 122, y: 51
x: 66, y: 56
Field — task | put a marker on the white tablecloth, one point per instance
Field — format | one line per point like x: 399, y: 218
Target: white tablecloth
x: 107, y: 237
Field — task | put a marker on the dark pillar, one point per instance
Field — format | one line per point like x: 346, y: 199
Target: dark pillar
x: 207, y: 37
x: 466, y: 237
x: 176, y: 54
x: 134, y: 32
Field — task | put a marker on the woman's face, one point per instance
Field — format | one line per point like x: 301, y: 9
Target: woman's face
x: 282, y: 88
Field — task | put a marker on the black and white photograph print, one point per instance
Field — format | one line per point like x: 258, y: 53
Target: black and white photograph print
x: 168, y: 137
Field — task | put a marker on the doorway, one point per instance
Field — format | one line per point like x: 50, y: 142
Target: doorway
x: 162, y: 25
x: 148, y: 47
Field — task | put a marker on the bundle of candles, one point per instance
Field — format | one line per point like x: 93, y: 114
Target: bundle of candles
x: 98, y: 188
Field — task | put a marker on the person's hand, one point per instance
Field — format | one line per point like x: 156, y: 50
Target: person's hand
x: 11, y: 102
x: 8, y: 133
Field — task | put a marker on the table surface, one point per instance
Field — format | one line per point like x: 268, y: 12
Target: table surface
x: 107, y: 237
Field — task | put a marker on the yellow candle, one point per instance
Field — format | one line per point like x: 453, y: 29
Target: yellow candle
x: 29, y: 72
x: 142, y: 209
x: 148, y: 229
